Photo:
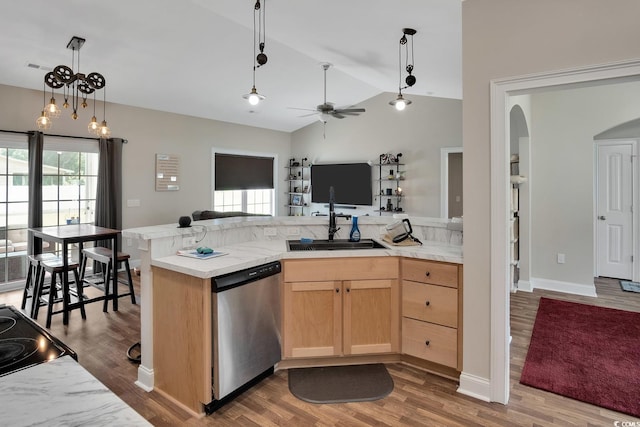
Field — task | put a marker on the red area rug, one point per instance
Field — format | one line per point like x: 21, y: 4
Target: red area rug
x: 586, y: 353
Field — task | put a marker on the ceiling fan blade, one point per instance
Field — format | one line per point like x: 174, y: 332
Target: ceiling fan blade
x: 337, y: 115
x: 303, y: 109
x: 347, y: 113
x: 308, y: 115
x: 351, y: 110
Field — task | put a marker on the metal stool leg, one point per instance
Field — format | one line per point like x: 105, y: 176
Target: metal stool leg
x: 133, y: 295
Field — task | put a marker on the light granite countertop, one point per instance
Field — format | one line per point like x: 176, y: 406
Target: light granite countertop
x: 250, y: 254
x: 61, y: 393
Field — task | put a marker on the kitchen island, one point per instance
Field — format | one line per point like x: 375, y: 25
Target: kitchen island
x: 249, y: 242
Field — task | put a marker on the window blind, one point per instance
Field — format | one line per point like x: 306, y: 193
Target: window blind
x: 237, y: 172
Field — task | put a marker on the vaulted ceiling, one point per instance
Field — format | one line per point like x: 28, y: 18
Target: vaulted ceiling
x: 195, y: 57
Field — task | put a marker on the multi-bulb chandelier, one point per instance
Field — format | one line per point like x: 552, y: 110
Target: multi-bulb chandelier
x: 258, y: 40
x: 75, y: 87
x: 400, y: 103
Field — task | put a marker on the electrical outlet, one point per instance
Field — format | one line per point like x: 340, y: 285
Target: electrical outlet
x: 293, y: 231
x: 270, y: 231
x: 560, y: 258
x: 188, y: 241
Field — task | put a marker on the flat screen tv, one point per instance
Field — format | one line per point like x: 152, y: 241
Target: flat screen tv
x: 351, y: 183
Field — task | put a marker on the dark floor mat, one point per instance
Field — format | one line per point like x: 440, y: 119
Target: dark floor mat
x: 339, y: 384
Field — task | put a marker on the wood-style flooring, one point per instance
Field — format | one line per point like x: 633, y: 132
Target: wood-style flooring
x: 418, y: 399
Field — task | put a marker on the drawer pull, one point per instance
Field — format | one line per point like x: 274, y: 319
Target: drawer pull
x: 427, y: 343
x: 427, y: 303
x: 348, y: 290
x: 337, y: 290
x: 427, y: 274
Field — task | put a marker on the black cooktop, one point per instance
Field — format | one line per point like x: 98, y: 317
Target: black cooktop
x: 24, y: 343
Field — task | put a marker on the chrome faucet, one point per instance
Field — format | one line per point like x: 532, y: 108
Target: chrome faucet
x: 332, y: 215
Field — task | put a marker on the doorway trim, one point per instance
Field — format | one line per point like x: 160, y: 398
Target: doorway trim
x: 444, y: 179
x: 500, y: 90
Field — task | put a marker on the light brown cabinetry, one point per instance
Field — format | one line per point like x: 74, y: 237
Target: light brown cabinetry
x: 182, y: 360
x: 431, y: 311
x: 341, y: 306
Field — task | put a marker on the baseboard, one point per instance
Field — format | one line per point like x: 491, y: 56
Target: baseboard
x: 145, y: 378
x: 566, y: 287
x: 474, y: 386
x: 524, y: 286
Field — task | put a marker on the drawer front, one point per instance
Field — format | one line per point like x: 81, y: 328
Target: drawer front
x: 433, y: 272
x: 431, y: 303
x: 355, y: 268
x: 431, y: 342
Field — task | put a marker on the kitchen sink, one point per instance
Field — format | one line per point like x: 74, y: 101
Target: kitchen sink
x: 332, y: 245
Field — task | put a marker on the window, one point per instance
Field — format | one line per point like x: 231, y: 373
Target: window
x: 14, y: 204
x: 69, y: 181
x: 251, y: 201
x: 244, y: 182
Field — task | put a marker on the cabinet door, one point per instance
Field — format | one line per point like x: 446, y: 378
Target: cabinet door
x: 312, y: 319
x: 371, y: 316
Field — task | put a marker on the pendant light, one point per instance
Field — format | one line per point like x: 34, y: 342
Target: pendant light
x: 400, y: 103
x: 76, y: 87
x: 258, y: 40
x: 43, y: 122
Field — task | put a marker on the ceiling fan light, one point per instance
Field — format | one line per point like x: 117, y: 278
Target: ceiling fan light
x: 400, y: 103
x: 253, y: 97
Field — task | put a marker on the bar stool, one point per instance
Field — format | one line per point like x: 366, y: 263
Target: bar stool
x: 104, y: 256
x: 55, y: 267
x: 33, y: 278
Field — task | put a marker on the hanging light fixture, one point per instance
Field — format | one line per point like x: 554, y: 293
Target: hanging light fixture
x: 400, y: 103
x: 258, y: 40
x: 43, y: 122
x: 75, y: 86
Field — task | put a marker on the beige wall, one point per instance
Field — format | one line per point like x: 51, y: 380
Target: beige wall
x: 150, y: 132
x: 418, y: 133
x: 564, y: 124
x: 504, y: 38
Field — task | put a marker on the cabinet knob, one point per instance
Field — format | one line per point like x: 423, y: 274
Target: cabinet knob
x: 427, y: 303
x: 337, y: 290
x: 348, y: 290
x: 427, y: 274
x: 427, y: 343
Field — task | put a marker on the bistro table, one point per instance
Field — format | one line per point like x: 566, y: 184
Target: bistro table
x: 79, y: 233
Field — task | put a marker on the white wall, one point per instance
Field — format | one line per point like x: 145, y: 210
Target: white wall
x: 564, y: 124
x: 505, y: 38
x: 418, y: 133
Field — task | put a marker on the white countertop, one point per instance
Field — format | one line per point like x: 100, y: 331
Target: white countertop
x: 61, y: 392
x: 250, y: 254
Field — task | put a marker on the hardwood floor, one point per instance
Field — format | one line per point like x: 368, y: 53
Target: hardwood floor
x: 418, y: 399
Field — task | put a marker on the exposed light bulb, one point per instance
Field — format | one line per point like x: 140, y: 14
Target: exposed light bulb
x: 52, y: 109
x: 104, y: 131
x: 43, y: 121
x: 253, y: 97
x: 93, y: 125
x: 400, y: 103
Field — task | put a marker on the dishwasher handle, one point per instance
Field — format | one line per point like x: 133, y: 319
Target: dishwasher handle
x: 242, y: 277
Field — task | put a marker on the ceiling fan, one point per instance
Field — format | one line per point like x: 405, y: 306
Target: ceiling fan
x: 326, y: 110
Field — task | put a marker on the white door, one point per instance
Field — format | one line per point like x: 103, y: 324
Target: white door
x: 614, y: 211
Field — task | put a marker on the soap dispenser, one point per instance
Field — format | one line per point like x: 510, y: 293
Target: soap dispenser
x: 354, y: 236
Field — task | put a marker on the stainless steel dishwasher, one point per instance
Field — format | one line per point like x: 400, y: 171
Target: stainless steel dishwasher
x: 246, y: 341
